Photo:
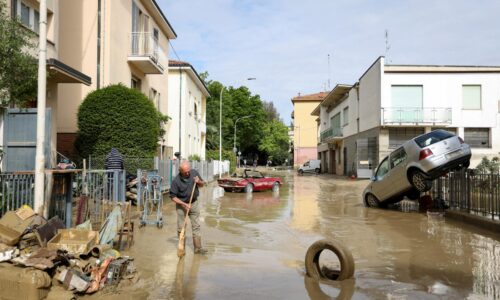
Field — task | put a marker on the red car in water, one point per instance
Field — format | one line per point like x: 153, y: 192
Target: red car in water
x: 250, y: 181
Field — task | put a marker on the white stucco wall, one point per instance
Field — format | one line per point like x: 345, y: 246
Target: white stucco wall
x: 445, y: 90
x: 192, y: 138
x: 370, y: 94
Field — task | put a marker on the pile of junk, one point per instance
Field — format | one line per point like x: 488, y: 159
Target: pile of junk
x: 37, y: 255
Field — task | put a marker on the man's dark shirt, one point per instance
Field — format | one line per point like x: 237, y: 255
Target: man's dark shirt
x: 182, y: 186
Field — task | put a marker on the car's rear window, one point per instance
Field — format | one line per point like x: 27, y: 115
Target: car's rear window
x: 432, y: 138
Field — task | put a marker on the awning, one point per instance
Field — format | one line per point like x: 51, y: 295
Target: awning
x: 62, y: 73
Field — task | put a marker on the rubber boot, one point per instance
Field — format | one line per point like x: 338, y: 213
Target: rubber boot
x: 197, y: 246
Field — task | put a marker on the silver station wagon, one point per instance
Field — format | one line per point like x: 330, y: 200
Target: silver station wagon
x: 410, y: 169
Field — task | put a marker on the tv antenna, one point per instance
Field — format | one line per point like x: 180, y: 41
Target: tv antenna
x: 329, y: 73
x: 387, y: 46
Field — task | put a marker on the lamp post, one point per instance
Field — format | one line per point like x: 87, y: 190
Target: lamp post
x: 234, y: 143
x: 220, y: 127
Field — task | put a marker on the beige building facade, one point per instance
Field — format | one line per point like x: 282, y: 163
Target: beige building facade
x: 113, y: 42
x: 62, y: 73
x: 305, y: 127
x: 187, y: 103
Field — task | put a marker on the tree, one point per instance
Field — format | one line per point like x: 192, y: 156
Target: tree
x: 120, y: 117
x: 272, y: 113
x: 275, y: 141
x: 18, y: 67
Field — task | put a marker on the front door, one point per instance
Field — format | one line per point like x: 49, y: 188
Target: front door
x: 332, y: 162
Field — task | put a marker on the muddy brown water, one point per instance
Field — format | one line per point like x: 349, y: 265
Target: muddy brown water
x: 257, y: 246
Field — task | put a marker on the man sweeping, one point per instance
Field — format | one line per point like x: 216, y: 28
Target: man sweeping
x: 180, y: 193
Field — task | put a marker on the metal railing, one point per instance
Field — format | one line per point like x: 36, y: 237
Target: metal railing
x: 332, y: 132
x: 469, y: 191
x: 146, y: 44
x: 415, y: 115
x: 16, y: 190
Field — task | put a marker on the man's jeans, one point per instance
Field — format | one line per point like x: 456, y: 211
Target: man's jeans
x: 194, y: 217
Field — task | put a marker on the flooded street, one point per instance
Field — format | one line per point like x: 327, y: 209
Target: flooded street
x: 257, y: 246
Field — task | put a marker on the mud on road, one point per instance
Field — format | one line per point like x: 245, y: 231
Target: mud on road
x: 257, y: 245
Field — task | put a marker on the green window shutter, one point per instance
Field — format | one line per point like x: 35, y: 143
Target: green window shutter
x: 471, y: 95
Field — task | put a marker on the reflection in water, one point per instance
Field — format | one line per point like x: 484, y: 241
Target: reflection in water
x: 305, y: 211
x: 314, y: 288
x: 185, y: 288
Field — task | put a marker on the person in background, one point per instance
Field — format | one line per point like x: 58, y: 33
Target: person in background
x: 114, y: 160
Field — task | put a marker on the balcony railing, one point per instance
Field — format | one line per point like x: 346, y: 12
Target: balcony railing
x: 331, y: 133
x: 146, y: 53
x: 415, y: 115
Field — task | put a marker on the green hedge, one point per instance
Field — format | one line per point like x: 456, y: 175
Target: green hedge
x: 120, y: 117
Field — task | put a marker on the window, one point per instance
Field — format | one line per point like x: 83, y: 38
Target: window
x: 477, y: 137
x: 432, y: 138
x: 383, y: 168
x: 397, y: 136
x: 346, y: 115
x: 471, y: 95
x: 28, y: 16
x: 397, y: 157
x: 406, y: 103
x: 135, y: 83
x: 195, y: 111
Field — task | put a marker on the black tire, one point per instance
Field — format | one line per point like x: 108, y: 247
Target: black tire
x: 371, y: 201
x: 249, y: 188
x: 276, y: 186
x: 466, y: 165
x: 301, y: 172
x: 413, y: 194
x: 228, y: 190
x: 314, y: 290
x: 316, y: 170
x: 344, y: 255
x: 419, y: 181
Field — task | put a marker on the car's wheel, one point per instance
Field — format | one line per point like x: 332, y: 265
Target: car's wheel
x: 413, y: 194
x: 301, y: 172
x: 372, y: 201
x: 466, y: 165
x: 276, y: 186
x: 344, y: 255
x: 249, y: 188
x: 227, y: 190
x: 420, y: 181
x: 316, y: 170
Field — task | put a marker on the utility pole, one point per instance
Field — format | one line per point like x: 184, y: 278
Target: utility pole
x: 40, y: 118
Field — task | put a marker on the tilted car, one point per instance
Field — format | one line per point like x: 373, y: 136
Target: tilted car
x: 250, y: 181
x: 410, y: 169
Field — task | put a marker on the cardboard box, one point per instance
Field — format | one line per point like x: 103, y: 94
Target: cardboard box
x: 23, y: 283
x: 74, y: 241
x: 12, y: 227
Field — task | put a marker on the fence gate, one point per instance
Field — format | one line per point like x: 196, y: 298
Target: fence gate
x: 20, y: 139
x: 366, y: 156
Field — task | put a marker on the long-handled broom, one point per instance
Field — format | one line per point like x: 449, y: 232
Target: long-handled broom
x: 181, y: 251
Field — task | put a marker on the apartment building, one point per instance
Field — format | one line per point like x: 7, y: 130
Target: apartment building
x: 113, y: 42
x: 361, y: 124
x: 305, y: 127
x: 18, y: 127
x: 187, y: 102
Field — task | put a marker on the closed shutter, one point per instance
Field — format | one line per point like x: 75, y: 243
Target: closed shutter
x: 397, y: 136
x: 477, y: 137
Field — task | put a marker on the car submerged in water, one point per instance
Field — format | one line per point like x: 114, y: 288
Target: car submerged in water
x: 250, y: 181
x: 410, y: 169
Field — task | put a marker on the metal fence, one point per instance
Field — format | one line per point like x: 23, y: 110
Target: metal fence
x: 470, y: 191
x: 16, y: 190
x: 131, y: 163
x: 208, y: 170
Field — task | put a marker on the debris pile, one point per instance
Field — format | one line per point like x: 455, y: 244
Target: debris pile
x: 131, y: 189
x: 34, y: 251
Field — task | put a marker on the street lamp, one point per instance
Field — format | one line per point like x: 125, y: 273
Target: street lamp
x: 220, y: 127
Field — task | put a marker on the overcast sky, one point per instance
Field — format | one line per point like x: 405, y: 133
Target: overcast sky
x: 285, y: 43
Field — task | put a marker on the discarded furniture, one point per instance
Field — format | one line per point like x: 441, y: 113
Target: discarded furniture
x: 74, y: 241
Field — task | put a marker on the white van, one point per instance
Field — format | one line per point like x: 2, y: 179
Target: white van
x: 313, y: 165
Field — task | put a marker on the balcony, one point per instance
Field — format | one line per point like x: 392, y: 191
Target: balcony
x: 331, y: 134
x: 391, y: 116
x: 146, y: 53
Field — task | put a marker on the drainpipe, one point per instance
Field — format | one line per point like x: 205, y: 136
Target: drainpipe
x: 98, y: 44
x: 180, y: 109
x: 40, y: 119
